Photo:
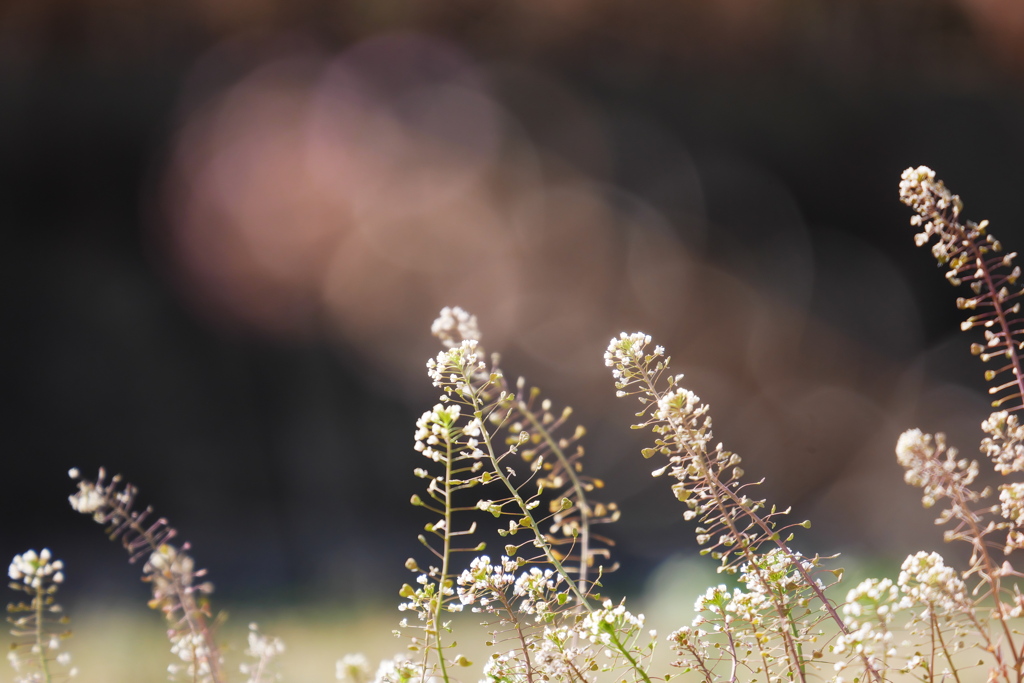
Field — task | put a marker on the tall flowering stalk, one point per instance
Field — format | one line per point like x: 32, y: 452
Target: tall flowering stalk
x: 483, y: 437
x: 263, y: 650
x: 773, y: 627
x: 975, y: 258
x: 533, y: 429
x: 39, y: 625
x: 169, y: 569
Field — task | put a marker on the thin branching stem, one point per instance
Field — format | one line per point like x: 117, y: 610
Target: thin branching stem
x: 39, y: 603
x: 577, y: 487
x: 937, y: 633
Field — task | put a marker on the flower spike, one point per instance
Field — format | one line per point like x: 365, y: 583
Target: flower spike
x: 974, y: 258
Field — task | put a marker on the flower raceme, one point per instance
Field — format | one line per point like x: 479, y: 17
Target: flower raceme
x: 39, y: 626
x: 168, y: 568
x: 975, y: 258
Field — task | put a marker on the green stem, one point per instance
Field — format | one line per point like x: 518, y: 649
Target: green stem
x: 799, y: 648
x: 629, y: 658
x: 937, y: 631
x: 577, y: 486
x: 541, y: 542
x: 445, y: 558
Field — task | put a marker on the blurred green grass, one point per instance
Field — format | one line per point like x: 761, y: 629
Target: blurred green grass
x: 127, y: 644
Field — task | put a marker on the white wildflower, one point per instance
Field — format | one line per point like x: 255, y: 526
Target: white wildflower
x: 36, y: 570
x: 454, y: 325
x: 925, y: 579
x: 353, y: 668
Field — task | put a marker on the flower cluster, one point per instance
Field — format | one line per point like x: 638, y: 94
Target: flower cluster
x: 1011, y: 502
x: 455, y: 369
x: 626, y: 352
x: 168, y: 568
x: 974, y: 258
x: 926, y: 580
x: 946, y: 610
x: 35, y: 571
x: 869, y: 611
x: 90, y: 499
x: 454, y: 325
x: 39, y: 626
x: 758, y: 629
x: 939, y: 611
x: 171, y: 570
x: 611, y: 622
x: 438, y: 430
x: 399, y: 669
x: 1004, y: 443
x: 681, y: 405
x: 423, y: 601
x: 538, y: 589
x: 935, y: 206
x: 778, y: 571
x: 484, y: 583
x: 353, y: 668
x: 921, y: 455
x: 263, y: 649
x: 708, y: 479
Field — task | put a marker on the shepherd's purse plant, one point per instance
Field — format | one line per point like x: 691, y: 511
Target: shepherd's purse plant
x: 498, y: 460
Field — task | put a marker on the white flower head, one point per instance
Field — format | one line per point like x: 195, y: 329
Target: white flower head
x: 627, y: 348
x: 353, y: 668
x: 36, y: 570
x: 1011, y: 502
x: 455, y: 325
x: 925, y: 579
x: 89, y: 498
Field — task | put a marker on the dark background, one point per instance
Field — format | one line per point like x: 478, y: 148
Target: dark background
x: 227, y: 227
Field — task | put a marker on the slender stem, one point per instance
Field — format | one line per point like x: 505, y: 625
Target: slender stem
x: 629, y: 658
x: 540, y: 541
x: 997, y: 305
x: 990, y: 574
x: 709, y: 674
x: 39, y: 602
x: 931, y: 656
x: 794, y: 642
x: 519, y: 633
x: 718, y: 489
x: 188, y: 607
x: 577, y: 485
x: 732, y: 648
x: 936, y: 631
x: 438, y: 605
x: 478, y: 411
x: 764, y: 657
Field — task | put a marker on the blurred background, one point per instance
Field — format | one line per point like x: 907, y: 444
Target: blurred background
x: 228, y: 225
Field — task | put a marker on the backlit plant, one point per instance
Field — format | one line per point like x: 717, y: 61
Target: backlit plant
x: 496, y: 458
